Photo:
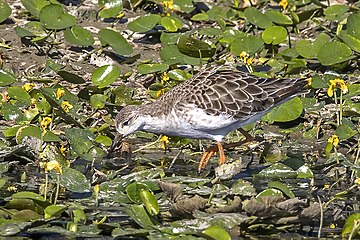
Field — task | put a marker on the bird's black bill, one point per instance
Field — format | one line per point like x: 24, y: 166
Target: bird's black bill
x: 116, y: 141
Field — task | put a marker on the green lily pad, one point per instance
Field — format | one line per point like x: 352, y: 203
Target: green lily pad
x: 169, y: 38
x: 5, y: 11
x: 116, y: 41
x: 152, y: 68
x: 345, y: 131
x: 274, y: 35
x: 247, y: 43
x: 54, y: 211
x: 105, y: 140
x: 308, y: 49
x: 34, y: 6
x: 123, y: 95
x: 171, y: 55
x: 18, y: 93
x: 32, y: 29
x: 71, y: 77
x: 195, y: 48
x: 179, y: 75
x: 140, y: 216
x: 12, y: 113
x: 78, y: 36
x: 269, y: 192
x: 74, y: 181
x: 287, y: 111
x: 171, y: 24
x: 144, y: 23
x: 334, y: 52
x: 200, y: 17
x: 110, y: 8
x: 34, y: 131
x: 256, y: 17
x: 186, y: 6
x: 6, y: 78
x: 80, y: 140
x: 28, y: 195
x: 351, y: 41
x: 150, y: 202
x: 336, y: 12
x: 278, y: 170
x: 105, y: 75
x: 98, y: 101
x: 216, y: 233
x: 349, y: 225
x: 278, y: 17
x: 352, y: 25
x: 282, y: 187
x: 54, y: 17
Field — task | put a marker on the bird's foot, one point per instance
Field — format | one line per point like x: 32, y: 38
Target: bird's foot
x: 209, y: 152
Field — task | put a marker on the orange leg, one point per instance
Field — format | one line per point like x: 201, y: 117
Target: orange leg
x: 220, y: 148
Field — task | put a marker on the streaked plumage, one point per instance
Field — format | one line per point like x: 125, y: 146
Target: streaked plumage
x: 211, y: 104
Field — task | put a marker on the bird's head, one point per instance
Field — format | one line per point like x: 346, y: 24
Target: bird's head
x: 129, y: 120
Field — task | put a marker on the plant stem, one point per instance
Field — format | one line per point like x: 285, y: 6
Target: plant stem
x: 57, y: 188
x: 337, y: 110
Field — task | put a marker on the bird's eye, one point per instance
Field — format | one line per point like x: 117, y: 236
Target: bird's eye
x: 126, y: 122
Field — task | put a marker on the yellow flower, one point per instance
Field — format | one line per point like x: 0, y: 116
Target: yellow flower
x: 62, y: 149
x: 283, y: 4
x: 165, y: 78
x: 28, y: 86
x: 66, y: 106
x: 310, y: 81
x: 160, y: 92
x: 244, y: 55
x: 45, y: 122
x: 54, y: 165
x: 96, y: 189
x: 334, y: 140
x: 169, y: 5
x: 164, y: 140
x: 33, y: 102
x: 337, y: 84
x: 59, y: 93
x: 357, y: 181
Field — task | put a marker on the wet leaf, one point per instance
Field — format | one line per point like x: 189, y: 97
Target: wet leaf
x: 12, y: 113
x: 243, y: 188
x: 282, y: 187
x: 185, y: 5
x: 144, y: 23
x: 308, y: 49
x: 41, y: 103
x: 257, y: 18
x: 18, y: 93
x: 36, y: 132
x: 111, y: 8
x: 54, y: 211
x: 5, y: 11
x: 98, y: 101
x: 31, y: 29
x: 28, y: 195
x: 334, y: 52
x: 133, y: 191
x: 80, y: 140
x: 352, y: 25
x: 195, y: 48
x: 247, y: 43
x: 78, y: 36
x: 278, y: 17
x: 305, y: 171
x: 105, y: 75
x: 123, y: 95
x: 79, y: 215
x: 269, y: 192
x: 105, y: 140
x: 74, y: 180
x: 287, y: 111
x: 54, y: 17
x: 6, y: 78
x: 351, y: 223
x: 171, y: 24
x: 116, y: 41
x: 351, y: 41
x: 152, y: 68
x: 216, y: 233
x: 278, y: 170
x: 345, y: 131
x: 200, y: 17
x: 140, y: 216
x: 336, y: 12
x: 274, y: 35
x: 71, y: 78
x: 26, y: 215
x: 34, y: 6
x: 150, y: 202
x: 179, y: 75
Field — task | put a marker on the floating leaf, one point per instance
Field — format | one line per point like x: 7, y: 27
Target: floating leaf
x: 308, y: 49
x: 80, y: 140
x: 195, y: 48
x: 274, y: 35
x: 144, y: 23
x: 269, y: 192
x: 54, y: 211
x: 98, y: 100
x: 111, y: 8
x: 257, y: 18
x: 247, y: 43
x: 54, y: 17
x: 34, y: 6
x: 150, y: 202
x: 334, y: 52
x: 36, y: 132
x: 152, y: 68
x: 171, y: 24
x: 117, y: 42
x: 5, y: 11
x: 344, y: 131
x: 6, y: 78
x: 287, y: 111
x: 78, y: 36
x: 71, y: 78
x: 140, y: 216
x: 351, y: 41
x: 105, y: 75
x: 282, y: 187
x: 74, y: 181
x: 278, y: 17
x: 352, y: 25
x: 351, y: 223
x: 336, y: 12
x: 200, y: 17
x: 216, y: 233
